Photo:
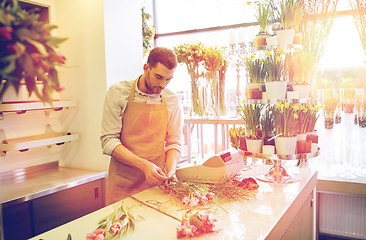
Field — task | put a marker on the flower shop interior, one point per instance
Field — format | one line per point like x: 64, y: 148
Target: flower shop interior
x: 236, y: 180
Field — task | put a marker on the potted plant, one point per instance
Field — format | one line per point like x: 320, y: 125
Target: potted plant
x: 28, y: 53
x: 257, y: 74
x: 263, y: 13
x: 276, y: 81
x: 267, y: 126
x: 301, y: 64
x: 290, y: 14
x: 330, y: 104
x: 251, y: 114
x: 285, y: 120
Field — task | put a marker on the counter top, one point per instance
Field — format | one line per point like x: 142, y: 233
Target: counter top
x: 27, y: 187
x: 268, y: 216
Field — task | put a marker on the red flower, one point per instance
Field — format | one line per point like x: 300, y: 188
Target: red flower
x: 5, y: 33
x: 210, y: 196
x: 115, y: 228
x: 99, y: 231
x: 36, y: 57
x: 197, y: 194
x: 193, y: 202
x: 58, y: 58
x: 99, y: 237
x: 185, y: 201
x: 12, y: 48
x: 203, y: 200
x: 90, y: 236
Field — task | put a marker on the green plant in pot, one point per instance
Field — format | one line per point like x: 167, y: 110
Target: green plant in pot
x: 28, y: 52
x: 251, y: 114
x: 290, y: 19
x: 267, y: 125
x: 276, y: 81
x: 257, y: 75
x: 263, y: 13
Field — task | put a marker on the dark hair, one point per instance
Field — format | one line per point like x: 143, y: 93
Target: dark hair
x: 164, y: 56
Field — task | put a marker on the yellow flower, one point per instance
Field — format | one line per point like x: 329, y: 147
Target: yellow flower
x: 296, y: 116
x: 278, y: 105
x: 280, y: 51
x: 287, y: 104
x: 268, y: 53
x: 296, y: 107
x: 278, y: 59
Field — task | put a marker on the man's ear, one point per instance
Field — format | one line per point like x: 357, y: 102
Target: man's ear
x: 146, y: 66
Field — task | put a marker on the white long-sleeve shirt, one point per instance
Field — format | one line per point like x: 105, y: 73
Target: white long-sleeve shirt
x: 115, y: 104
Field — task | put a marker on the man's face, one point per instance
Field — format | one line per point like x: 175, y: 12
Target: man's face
x: 157, y: 78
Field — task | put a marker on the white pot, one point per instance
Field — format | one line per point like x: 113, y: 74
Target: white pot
x: 272, y: 40
x: 254, y: 145
x: 285, y: 36
x: 304, y: 90
x: 285, y: 145
x: 292, y: 95
x: 276, y: 90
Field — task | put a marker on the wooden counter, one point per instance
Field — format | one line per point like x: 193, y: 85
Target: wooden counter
x: 279, y: 210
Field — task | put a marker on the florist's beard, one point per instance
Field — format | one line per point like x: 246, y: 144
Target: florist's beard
x: 153, y: 89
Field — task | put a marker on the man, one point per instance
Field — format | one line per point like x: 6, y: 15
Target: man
x: 142, y: 128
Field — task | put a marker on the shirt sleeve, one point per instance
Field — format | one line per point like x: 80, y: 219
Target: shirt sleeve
x: 114, y: 106
x: 175, y: 124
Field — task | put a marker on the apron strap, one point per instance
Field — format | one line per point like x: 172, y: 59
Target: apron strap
x: 132, y: 92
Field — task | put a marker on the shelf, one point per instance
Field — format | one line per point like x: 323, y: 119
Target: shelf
x: 24, y: 143
x: 22, y: 107
x: 281, y: 157
x: 270, y: 47
x: 274, y: 101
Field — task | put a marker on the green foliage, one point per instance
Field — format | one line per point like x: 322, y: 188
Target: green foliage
x: 251, y: 114
x: 28, y: 52
x: 148, y: 31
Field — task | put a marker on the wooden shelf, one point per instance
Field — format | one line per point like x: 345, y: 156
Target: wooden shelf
x: 24, y: 143
x: 22, y: 107
x: 274, y: 101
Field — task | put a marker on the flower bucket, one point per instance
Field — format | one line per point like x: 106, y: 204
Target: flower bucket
x: 298, y: 38
x: 285, y: 145
x: 272, y: 40
x: 301, y: 136
x: 286, y: 36
x: 276, y: 89
x: 304, y: 90
x: 254, y: 145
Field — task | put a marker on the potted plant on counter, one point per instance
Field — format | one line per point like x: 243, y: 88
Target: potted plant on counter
x: 257, y: 75
x: 290, y: 15
x: 263, y: 14
x: 276, y: 81
x: 285, y: 120
x: 251, y: 114
x: 28, y: 53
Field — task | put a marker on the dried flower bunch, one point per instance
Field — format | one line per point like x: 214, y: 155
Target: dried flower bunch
x: 28, y: 52
x: 195, y: 224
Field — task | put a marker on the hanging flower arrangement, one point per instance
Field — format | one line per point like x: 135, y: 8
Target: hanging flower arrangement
x: 28, y: 52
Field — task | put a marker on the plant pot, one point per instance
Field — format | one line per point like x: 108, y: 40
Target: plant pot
x: 276, y: 89
x: 272, y: 40
x: 242, y: 143
x: 285, y: 145
x: 348, y: 107
x: 303, y: 146
x: 303, y: 89
x: 301, y: 136
x: 254, y: 145
x: 292, y: 95
x: 260, y: 40
x: 312, y: 137
x: 254, y: 94
x: 285, y: 36
x: 298, y: 38
x: 267, y: 142
x: 328, y: 123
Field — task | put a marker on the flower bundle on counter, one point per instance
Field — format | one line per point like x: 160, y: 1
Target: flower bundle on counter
x: 115, y: 225
x: 195, y: 224
x: 234, y: 136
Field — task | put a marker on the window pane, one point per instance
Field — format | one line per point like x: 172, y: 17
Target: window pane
x: 176, y: 15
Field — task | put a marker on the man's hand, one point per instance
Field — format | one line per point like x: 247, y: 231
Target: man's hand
x: 153, y: 174
x: 171, y: 176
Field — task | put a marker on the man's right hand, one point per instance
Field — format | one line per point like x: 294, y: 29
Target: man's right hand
x: 153, y: 174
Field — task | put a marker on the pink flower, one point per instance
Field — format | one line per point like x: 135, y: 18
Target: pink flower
x: 193, y: 202
x: 99, y: 237
x: 210, y: 196
x: 203, y: 200
x: 90, y: 236
x: 98, y: 231
x: 197, y: 194
x: 5, y: 33
x: 185, y: 201
x: 115, y: 228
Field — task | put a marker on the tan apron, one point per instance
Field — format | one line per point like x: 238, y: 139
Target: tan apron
x: 143, y: 133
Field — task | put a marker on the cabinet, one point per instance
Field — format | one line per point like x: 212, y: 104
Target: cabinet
x: 30, y: 218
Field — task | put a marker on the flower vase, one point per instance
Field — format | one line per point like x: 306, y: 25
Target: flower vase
x: 254, y: 145
x: 328, y: 123
x: 285, y: 145
x: 276, y: 89
x: 286, y: 36
x: 303, y: 89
